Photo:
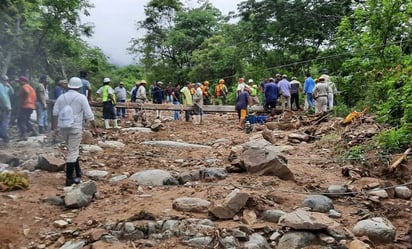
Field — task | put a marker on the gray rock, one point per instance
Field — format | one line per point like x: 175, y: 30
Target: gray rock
x: 109, y: 239
x: 137, y: 129
x: 3, y: 167
x: 170, y: 181
x: 262, y: 158
x: 81, y: 195
x: 381, y: 193
x: 51, y: 163
x: 403, y: 192
x: 303, y: 220
x: 188, y: 204
x: 175, y: 144
x: 318, y: 203
x: 297, y: 240
x: 129, y: 227
x: 96, y: 174
x: 91, y: 148
x: 334, y: 214
x: 235, y: 201
x: 298, y: 136
x: 172, y: 226
x: 154, y: 177
x: 272, y: 215
x: 32, y: 142
x: 199, y: 242
x: 55, y: 200
x: 256, y: 241
x: 117, y: 178
x: 73, y: 245
x: 6, y: 157
x: 337, y: 190
x: 30, y: 164
x: 219, y: 173
x: 378, y: 230
x: 189, y: 176
x: 135, y: 235
x: 111, y: 144
x: 230, y: 242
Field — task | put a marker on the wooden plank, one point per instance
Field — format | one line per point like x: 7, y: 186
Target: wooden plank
x: 170, y: 107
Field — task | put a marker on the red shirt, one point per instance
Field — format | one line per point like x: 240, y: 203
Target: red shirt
x: 27, y: 97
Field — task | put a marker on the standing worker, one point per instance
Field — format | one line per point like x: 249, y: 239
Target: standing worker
x: 71, y: 128
x: 295, y: 87
x: 109, y: 101
x: 121, y: 95
x: 27, y: 105
x: 187, y: 99
x: 320, y: 94
x: 6, y: 92
x: 198, y: 103
x: 221, y: 92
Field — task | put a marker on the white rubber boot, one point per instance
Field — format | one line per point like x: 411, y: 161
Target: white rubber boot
x: 115, y: 125
x: 107, y: 124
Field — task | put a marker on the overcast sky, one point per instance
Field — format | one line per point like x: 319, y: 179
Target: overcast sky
x: 115, y: 24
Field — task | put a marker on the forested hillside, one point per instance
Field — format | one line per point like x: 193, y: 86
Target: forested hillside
x: 365, y: 45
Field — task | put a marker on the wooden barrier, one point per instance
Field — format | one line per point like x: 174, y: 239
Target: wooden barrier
x: 171, y: 107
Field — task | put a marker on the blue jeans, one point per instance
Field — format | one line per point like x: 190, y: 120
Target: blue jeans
x: 176, y: 116
x: 121, y: 110
x: 42, y: 114
x: 4, y: 124
x: 309, y: 97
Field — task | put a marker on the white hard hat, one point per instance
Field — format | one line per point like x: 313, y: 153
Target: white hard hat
x: 75, y: 83
x: 250, y: 81
x: 106, y: 80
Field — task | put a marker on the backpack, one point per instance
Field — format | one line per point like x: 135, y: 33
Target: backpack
x: 66, y: 115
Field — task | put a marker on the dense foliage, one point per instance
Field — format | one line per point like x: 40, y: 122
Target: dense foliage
x: 365, y: 45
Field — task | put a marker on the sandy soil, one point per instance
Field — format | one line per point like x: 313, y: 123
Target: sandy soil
x: 26, y: 218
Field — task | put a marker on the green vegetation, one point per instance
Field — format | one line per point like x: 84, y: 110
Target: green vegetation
x: 366, y: 47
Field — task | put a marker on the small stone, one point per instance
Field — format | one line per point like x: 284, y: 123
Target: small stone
x: 381, y: 193
x: 129, y: 227
x: 403, y: 192
x: 60, y: 223
x: 334, y: 214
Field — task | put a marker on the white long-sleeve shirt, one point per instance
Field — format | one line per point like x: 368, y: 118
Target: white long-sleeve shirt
x: 79, y: 104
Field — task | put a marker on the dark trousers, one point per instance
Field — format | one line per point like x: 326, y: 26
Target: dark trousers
x: 270, y: 106
x: 294, y: 98
x: 121, y: 110
x: 108, y: 110
x: 187, y: 116
x: 23, y: 121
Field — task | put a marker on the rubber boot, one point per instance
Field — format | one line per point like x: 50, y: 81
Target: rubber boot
x: 41, y: 130
x: 115, y: 125
x: 107, y: 124
x: 78, y: 172
x: 69, y: 173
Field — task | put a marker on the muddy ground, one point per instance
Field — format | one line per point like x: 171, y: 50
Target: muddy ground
x: 26, y: 217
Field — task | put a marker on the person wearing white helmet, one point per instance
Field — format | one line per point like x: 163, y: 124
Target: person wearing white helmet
x: 69, y: 112
x: 109, y: 101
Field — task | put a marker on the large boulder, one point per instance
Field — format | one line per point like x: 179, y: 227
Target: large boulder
x: 233, y: 203
x: 377, y: 229
x: 51, y: 163
x: 261, y: 158
x: 81, y: 195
